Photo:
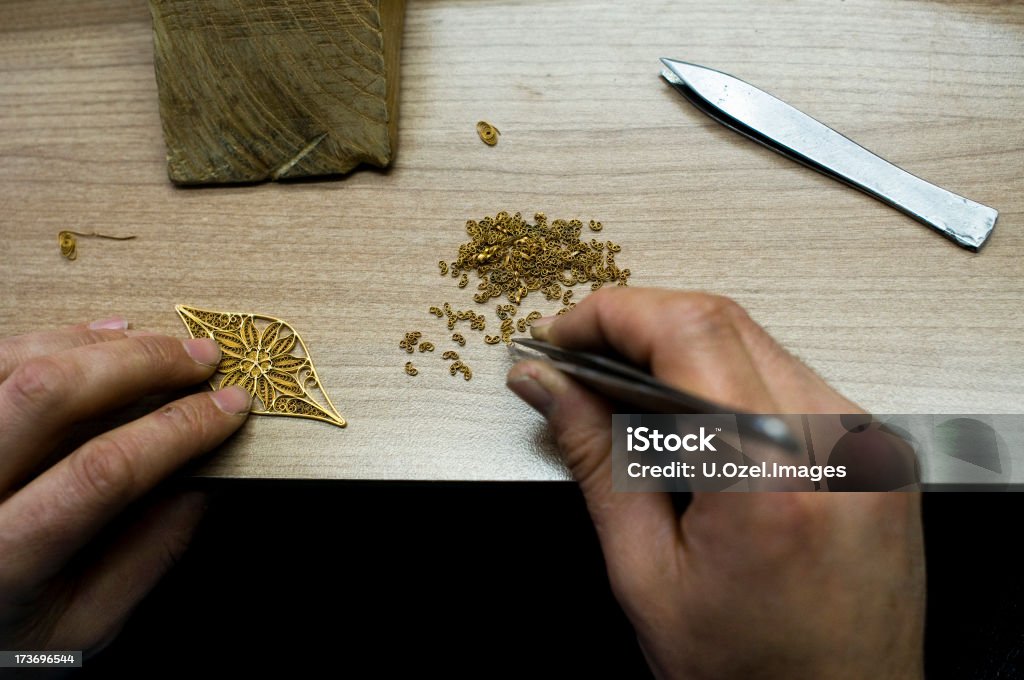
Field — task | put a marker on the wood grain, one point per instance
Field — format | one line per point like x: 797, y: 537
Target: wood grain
x: 276, y: 89
x: 895, y: 316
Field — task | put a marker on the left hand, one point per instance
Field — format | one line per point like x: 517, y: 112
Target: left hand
x: 67, y: 580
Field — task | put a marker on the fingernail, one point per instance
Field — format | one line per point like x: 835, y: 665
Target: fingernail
x: 539, y: 327
x: 233, y: 400
x: 204, y: 350
x: 533, y: 393
x: 114, y: 323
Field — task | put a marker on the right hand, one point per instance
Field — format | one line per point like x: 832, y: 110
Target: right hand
x: 742, y: 585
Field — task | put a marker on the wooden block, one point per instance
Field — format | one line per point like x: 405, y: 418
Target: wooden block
x: 272, y: 89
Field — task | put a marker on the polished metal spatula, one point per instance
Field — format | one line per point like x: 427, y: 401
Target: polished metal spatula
x: 780, y: 127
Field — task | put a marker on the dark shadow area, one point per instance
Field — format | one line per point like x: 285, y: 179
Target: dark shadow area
x: 395, y: 579
x: 483, y: 580
x: 975, y: 620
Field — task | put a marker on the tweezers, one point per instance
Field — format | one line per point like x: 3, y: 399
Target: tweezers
x: 635, y: 389
x: 775, y: 124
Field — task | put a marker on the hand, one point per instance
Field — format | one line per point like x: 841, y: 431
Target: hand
x: 62, y: 584
x: 749, y: 585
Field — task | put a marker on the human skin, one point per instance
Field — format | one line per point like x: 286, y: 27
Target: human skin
x: 751, y: 585
x: 83, y: 536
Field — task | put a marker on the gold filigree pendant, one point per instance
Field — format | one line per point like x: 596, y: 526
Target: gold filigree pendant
x: 267, y: 357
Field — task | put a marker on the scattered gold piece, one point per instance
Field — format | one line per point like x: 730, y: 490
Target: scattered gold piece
x: 443, y: 267
x: 450, y: 355
x: 410, y: 369
x: 506, y: 311
x: 464, y: 281
x: 436, y: 311
x: 488, y: 133
x: 426, y: 347
x: 492, y: 339
x: 595, y: 225
x: 69, y: 245
x: 272, y: 364
x: 457, y: 337
x: 460, y: 367
x: 409, y: 343
x: 521, y: 325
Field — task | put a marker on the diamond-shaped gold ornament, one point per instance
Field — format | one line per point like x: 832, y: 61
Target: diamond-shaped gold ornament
x: 268, y: 358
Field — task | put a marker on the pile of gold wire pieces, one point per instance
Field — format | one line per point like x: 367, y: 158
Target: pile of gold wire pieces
x: 513, y: 258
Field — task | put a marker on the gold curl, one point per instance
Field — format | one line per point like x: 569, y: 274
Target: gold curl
x: 488, y: 133
x: 69, y: 245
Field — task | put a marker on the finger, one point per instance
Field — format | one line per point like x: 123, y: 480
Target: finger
x: 45, y: 523
x: 690, y: 340
x: 701, y: 343
x: 639, y: 532
x: 19, y: 349
x: 123, y: 576
x: 47, y: 394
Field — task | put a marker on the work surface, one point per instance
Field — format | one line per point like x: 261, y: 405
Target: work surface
x: 895, y: 316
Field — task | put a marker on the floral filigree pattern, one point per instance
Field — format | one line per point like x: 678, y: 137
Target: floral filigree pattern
x: 272, y: 364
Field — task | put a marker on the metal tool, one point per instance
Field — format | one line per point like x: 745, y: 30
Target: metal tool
x: 635, y: 389
x: 780, y: 127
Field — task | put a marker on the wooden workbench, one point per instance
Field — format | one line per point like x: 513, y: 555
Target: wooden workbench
x: 896, y: 317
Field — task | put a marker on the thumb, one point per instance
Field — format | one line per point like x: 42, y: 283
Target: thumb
x: 639, y: 532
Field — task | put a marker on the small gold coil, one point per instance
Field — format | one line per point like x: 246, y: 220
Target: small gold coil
x: 69, y: 245
x: 488, y: 133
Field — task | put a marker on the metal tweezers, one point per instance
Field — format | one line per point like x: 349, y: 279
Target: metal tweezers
x: 775, y: 124
x: 644, y: 393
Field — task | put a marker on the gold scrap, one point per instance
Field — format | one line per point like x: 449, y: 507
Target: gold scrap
x: 69, y: 245
x: 410, y: 369
x: 450, y: 355
x: 272, y: 364
x: 488, y: 133
x: 460, y: 367
x: 436, y: 311
x: 457, y: 337
x: 521, y: 325
x: 410, y: 340
x: 426, y: 347
x: 506, y: 311
x: 595, y: 225
x: 443, y: 266
x: 492, y: 339
x: 464, y: 281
